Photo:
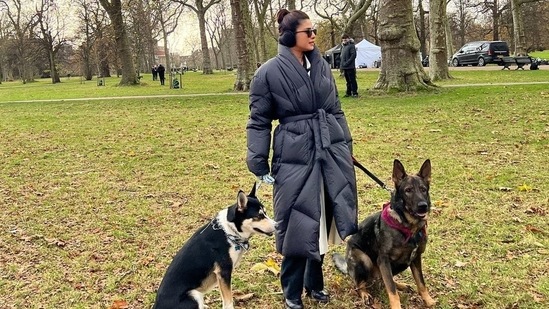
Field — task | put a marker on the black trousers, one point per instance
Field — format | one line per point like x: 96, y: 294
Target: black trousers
x: 298, y: 272
x: 350, y: 78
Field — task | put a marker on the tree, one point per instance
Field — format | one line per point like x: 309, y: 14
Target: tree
x: 496, y: 9
x: 422, y: 28
x: 518, y: 26
x: 240, y: 18
x: 200, y: 8
x: 23, y: 24
x: 438, y: 61
x: 168, y: 15
x: 114, y: 9
x: 51, y: 34
x: 401, y: 69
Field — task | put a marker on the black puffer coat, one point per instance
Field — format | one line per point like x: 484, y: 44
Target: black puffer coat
x: 311, y: 143
x: 348, y: 56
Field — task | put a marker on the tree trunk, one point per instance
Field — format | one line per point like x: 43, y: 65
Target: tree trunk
x: 206, y: 61
x: 422, y: 32
x: 518, y: 28
x: 53, y: 69
x: 449, y: 40
x: 438, y: 63
x: 401, y: 68
x: 240, y: 13
x: 114, y: 9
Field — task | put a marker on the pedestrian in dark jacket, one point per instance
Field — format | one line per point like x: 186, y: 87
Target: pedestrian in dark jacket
x: 348, y: 56
x: 315, y: 197
x: 154, y: 73
x: 160, y: 69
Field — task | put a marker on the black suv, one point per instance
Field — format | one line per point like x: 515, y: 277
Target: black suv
x: 481, y: 53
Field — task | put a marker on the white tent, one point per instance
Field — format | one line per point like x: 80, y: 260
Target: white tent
x: 366, y: 54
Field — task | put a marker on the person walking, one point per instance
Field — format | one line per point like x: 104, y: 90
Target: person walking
x: 154, y: 73
x: 348, y: 56
x: 312, y: 173
x: 160, y: 69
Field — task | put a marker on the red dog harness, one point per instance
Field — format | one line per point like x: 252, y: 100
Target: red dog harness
x: 393, y: 223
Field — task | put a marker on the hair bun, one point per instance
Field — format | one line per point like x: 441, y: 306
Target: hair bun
x: 280, y: 15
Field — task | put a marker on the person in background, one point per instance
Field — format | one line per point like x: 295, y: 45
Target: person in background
x: 154, y: 73
x: 348, y: 56
x: 314, y: 183
x: 160, y: 69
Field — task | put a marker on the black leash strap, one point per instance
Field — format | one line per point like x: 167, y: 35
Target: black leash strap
x: 365, y: 170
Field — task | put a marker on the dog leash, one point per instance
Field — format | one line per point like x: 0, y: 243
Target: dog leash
x: 365, y: 170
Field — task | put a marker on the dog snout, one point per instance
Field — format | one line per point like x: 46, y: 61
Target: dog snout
x: 423, y: 207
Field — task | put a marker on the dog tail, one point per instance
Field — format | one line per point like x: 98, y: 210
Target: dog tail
x: 340, y: 262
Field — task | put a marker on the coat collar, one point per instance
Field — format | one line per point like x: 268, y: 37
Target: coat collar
x: 313, y: 56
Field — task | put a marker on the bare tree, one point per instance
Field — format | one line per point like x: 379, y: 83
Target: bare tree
x: 495, y: 8
x: 438, y: 61
x: 144, y: 32
x: 422, y: 28
x: 51, y: 34
x: 240, y: 18
x: 114, y: 9
x: 518, y: 25
x: 216, y: 26
x: 463, y: 19
x: 90, y: 32
x: 200, y: 8
x: 401, y: 69
x: 260, y: 40
x: 5, y: 31
x: 168, y: 14
x: 23, y: 24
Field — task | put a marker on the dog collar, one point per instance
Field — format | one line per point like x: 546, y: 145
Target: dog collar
x: 395, y: 224
x: 238, y: 242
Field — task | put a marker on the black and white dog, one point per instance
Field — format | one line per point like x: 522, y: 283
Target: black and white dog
x: 208, y: 258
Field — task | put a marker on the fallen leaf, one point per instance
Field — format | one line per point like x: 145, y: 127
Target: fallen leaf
x: 269, y: 265
x: 460, y: 264
x: 243, y: 297
x: 533, y: 229
x: 119, y: 304
x: 524, y: 187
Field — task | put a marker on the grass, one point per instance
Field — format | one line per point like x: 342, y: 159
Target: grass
x: 98, y: 195
x: 540, y: 54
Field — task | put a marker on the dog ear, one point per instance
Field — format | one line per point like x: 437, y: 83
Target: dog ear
x: 425, y: 171
x: 398, y: 172
x: 242, y: 201
x: 252, y: 193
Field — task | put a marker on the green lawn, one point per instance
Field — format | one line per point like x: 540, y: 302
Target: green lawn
x: 540, y: 54
x: 98, y: 195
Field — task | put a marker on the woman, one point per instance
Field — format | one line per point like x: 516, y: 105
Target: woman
x: 314, y: 180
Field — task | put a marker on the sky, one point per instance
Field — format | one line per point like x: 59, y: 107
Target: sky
x: 181, y: 41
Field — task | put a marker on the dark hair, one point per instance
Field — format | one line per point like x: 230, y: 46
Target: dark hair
x: 288, y: 21
x: 345, y: 36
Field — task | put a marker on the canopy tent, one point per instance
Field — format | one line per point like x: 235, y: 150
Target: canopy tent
x: 367, y: 54
x: 332, y: 55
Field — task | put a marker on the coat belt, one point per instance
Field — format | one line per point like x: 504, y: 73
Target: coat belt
x: 322, y: 128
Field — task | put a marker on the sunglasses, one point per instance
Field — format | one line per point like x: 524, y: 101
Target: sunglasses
x: 309, y: 32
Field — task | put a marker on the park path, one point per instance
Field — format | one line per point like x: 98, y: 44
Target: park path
x: 234, y: 93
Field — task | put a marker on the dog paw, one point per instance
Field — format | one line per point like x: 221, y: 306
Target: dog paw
x: 365, y: 297
x: 403, y: 286
x: 429, y: 302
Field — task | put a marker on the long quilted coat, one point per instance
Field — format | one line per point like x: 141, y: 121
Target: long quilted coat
x: 312, y: 142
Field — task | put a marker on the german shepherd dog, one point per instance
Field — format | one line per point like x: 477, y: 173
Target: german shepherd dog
x: 208, y: 258
x: 390, y: 241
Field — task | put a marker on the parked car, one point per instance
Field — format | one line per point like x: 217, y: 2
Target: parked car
x: 481, y: 53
